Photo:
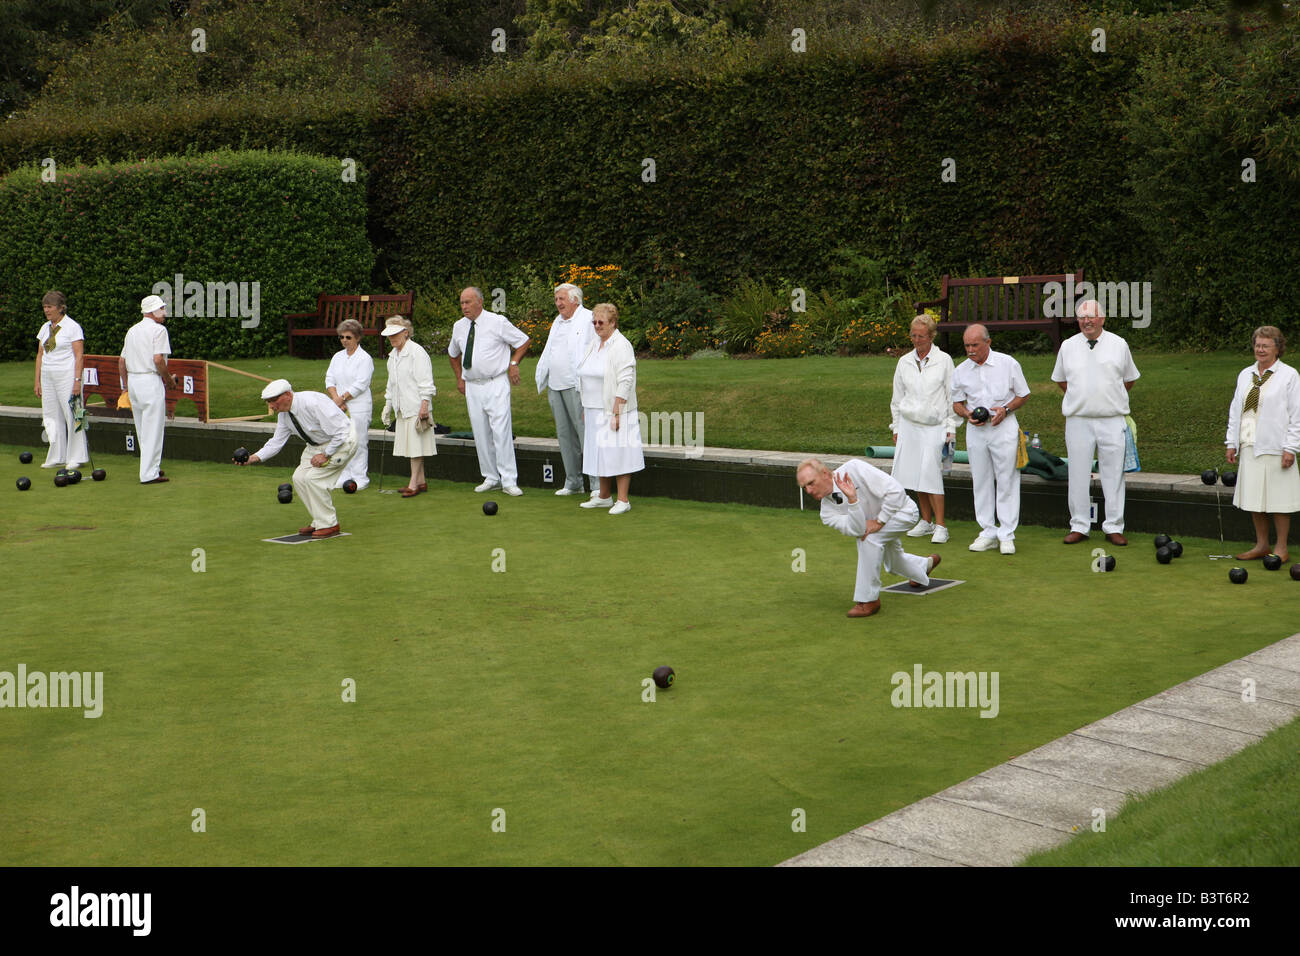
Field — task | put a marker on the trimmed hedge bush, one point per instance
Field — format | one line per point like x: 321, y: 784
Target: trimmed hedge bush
x: 104, y: 235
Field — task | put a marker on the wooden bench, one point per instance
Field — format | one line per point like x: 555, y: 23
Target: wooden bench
x: 1000, y: 304
x: 370, y: 310
x: 100, y: 379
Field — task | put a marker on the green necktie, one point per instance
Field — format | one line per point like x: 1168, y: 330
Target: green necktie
x: 469, y: 345
x: 1252, y: 399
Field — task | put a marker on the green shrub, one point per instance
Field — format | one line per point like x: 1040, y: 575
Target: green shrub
x: 676, y: 318
x: 754, y: 306
x: 105, y: 235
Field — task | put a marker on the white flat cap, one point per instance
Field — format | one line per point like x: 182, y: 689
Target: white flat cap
x: 276, y: 389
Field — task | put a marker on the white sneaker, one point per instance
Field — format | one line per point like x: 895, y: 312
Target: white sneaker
x: 512, y: 490
x: 567, y: 491
x: 940, y: 535
x: 984, y: 544
x: 622, y: 507
x: 488, y: 485
x: 1008, y: 546
x: 598, y: 502
x: 921, y: 530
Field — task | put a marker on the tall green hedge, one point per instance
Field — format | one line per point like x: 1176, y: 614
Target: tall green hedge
x: 767, y: 160
x: 104, y: 235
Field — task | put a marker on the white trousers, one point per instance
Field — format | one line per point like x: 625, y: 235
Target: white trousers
x: 315, y: 485
x: 994, y: 478
x: 885, y: 548
x: 1105, y: 436
x: 149, y: 410
x: 358, y: 467
x: 488, y: 402
x: 67, y: 446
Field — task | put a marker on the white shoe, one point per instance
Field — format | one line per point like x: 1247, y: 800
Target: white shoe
x: 597, y: 502
x: 1008, y: 546
x: 921, y: 530
x: 567, y: 491
x: 622, y: 507
x: 512, y: 490
x: 940, y: 535
x: 984, y: 544
x: 488, y: 485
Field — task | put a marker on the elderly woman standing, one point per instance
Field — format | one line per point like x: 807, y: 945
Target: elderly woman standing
x: 59, y: 355
x: 348, y: 383
x: 611, y: 447
x: 407, y: 401
x: 922, y: 421
x: 1263, y: 438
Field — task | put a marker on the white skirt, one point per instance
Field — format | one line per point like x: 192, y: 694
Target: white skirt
x: 917, y: 459
x: 1263, y: 485
x: 607, y: 453
x: 409, y: 443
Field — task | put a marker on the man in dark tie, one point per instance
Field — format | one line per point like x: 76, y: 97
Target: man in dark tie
x: 1095, y: 371
x: 330, y: 440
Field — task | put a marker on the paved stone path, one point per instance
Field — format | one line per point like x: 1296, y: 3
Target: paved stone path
x: 1036, y: 801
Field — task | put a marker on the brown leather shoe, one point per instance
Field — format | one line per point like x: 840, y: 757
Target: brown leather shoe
x: 1074, y: 537
x: 864, y: 609
x: 424, y: 486
x: 307, y: 530
x: 156, y: 481
x: 410, y: 492
x: 325, y: 532
x: 934, y: 563
x: 1117, y: 539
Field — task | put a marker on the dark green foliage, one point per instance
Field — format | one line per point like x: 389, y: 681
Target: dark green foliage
x: 105, y: 235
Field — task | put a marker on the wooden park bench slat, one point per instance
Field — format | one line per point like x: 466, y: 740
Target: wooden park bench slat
x: 1000, y: 303
x: 371, y: 311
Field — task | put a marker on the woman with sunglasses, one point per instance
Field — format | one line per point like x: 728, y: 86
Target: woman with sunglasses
x: 348, y: 384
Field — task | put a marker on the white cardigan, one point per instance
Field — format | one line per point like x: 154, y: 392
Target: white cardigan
x: 924, y: 398
x: 410, y: 380
x: 1279, y: 411
x: 620, y: 371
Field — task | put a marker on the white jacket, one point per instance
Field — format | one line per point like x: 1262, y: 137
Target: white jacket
x: 410, y: 380
x: 620, y: 371
x: 923, y: 398
x: 556, y: 350
x: 1279, y: 411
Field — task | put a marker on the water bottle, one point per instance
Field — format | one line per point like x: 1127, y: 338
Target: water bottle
x: 1036, y: 443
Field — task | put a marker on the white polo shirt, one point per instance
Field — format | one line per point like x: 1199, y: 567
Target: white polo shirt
x: 993, y: 384
x: 144, y: 340
x: 495, y: 338
x: 60, y: 358
x: 1095, y: 376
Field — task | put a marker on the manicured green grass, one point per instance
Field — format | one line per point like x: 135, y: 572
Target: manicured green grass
x: 819, y: 404
x: 522, y: 690
x: 1244, y: 811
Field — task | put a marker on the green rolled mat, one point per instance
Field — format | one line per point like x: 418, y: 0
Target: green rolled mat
x: 887, y: 451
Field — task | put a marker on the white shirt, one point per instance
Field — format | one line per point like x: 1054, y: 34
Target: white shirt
x: 991, y: 385
x: 351, y: 373
x: 618, y: 380
x: 1277, y: 429
x: 923, y: 395
x: 410, y: 379
x: 566, y: 344
x: 316, y: 412
x: 879, y: 496
x: 144, y: 340
x: 60, y: 358
x: 495, y: 338
x: 1095, y: 376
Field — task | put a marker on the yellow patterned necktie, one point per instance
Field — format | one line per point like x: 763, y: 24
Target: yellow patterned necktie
x: 49, y: 343
x: 1252, y: 399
